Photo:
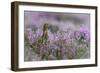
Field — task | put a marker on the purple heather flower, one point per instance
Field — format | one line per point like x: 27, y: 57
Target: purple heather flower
x: 77, y: 35
x: 30, y: 35
x: 51, y: 36
x: 39, y: 32
x: 82, y: 34
x: 86, y: 32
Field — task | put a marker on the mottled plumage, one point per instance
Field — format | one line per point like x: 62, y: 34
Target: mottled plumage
x: 42, y: 40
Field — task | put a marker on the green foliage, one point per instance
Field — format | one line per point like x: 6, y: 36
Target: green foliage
x: 80, y: 52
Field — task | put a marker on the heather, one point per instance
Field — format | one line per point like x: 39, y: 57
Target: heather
x: 56, y: 36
